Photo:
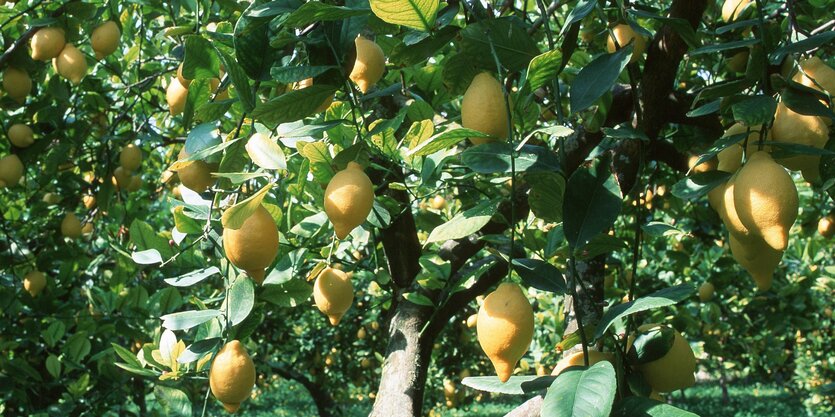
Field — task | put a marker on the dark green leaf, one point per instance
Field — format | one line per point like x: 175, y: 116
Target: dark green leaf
x: 544, y: 68
x: 494, y: 157
x: 293, y: 105
x: 289, y: 75
x: 200, y: 59
x: 754, y: 110
x: 289, y: 294
x: 592, y: 202
x: 316, y: 11
x: 665, y: 297
x: 510, y: 39
x: 444, y: 140
x: 636, y: 406
x: 589, y: 392
x: 597, y: 78
x: 540, y: 275
x: 712, y: 49
x: 812, y: 42
x: 464, y: 223
x: 516, y: 385
x: 697, y: 185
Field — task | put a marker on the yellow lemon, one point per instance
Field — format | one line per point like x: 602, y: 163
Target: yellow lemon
x: 122, y: 177
x: 11, y: 170
x: 333, y: 293
x: 71, y: 226
x: 105, y: 39
x: 232, y: 375
x: 505, y: 327
x: 578, y: 359
x: 17, y: 84
x: 34, y: 282
x: 483, y: 108
x: 624, y: 34
x: 822, y: 74
x: 70, y: 64
x: 349, y: 198
x: 176, y: 95
x: 196, y: 176
x: 673, y: 371
x: 369, y: 65
x: 254, y: 246
x: 826, y: 226
x: 47, y: 43
x: 758, y: 258
x: 706, y: 291
x: 21, y: 135
x: 130, y: 158
x: 732, y: 8
x: 730, y: 158
x: 796, y: 128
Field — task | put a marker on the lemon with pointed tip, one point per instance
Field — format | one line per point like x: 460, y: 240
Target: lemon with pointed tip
x: 21, y: 135
x: 728, y: 212
x: 17, y: 84
x: 11, y: 170
x: 766, y: 199
x: 758, y: 258
x: 675, y: 369
x: 196, y: 175
x: 706, y: 291
x: 333, y: 293
x: 349, y: 198
x: 105, y: 39
x: 731, y: 9
x: 578, y: 359
x: 130, y: 157
x: 483, y: 109
x: 34, y: 282
x: 505, y: 327
x: 816, y: 74
x: 71, y: 226
x: 624, y: 34
x: 795, y: 128
x: 254, y: 246
x: 176, y: 95
x: 47, y: 43
x: 232, y: 375
x: 70, y: 64
x: 369, y: 65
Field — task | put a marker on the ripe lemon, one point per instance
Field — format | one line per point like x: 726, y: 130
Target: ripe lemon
x: 706, y: 166
x: 122, y: 177
x: 196, y: 176
x: 232, y: 375
x: 87, y: 228
x: 70, y: 64
x: 505, y: 327
x: 254, y: 246
x: 758, y: 258
x: 181, y: 78
x: 47, y: 43
x: 578, y: 359
x: 728, y: 212
x: 738, y: 62
x: 730, y: 158
x: 732, y: 8
x: 673, y: 371
x: 21, y: 135
x: 105, y: 39
x: 472, y: 321
x: 34, y: 282
x: 826, y: 226
x: 134, y: 184
x: 483, y: 108
x: 130, y: 158
x: 17, y: 84
x: 766, y: 199
x: 333, y: 293
x: 624, y: 34
x: 706, y: 291
x: 11, y: 169
x: 438, y: 202
x: 307, y: 82
x: 349, y: 198
x: 176, y: 95
x: 71, y: 226
x: 369, y: 65
x: 715, y: 198
x: 213, y: 85
x: 796, y: 128
x: 89, y: 201
x: 822, y: 74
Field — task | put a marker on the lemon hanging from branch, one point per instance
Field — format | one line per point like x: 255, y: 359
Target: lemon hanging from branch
x: 349, y: 198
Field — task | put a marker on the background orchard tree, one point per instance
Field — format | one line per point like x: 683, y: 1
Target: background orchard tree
x: 349, y: 195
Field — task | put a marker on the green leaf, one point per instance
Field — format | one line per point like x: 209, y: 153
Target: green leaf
x: 577, y: 13
x: 408, y: 55
x: 591, y: 204
x: 656, y: 228
x: 662, y: 298
x: 697, y: 185
x: 464, y: 223
x: 812, y: 42
x: 509, y: 37
x: 754, y: 110
x: 144, y: 237
x: 680, y: 26
x: 625, y: 132
x: 289, y: 75
x: 601, y: 244
x: 597, y: 78
x: 292, y: 293
x: 444, y: 140
x: 545, y: 197
x: 126, y: 356
x: 419, y: 132
x: 544, y: 68
x: 200, y: 59
x: 712, y: 49
x: 239, y: 80
x: 173, y: 401
x: 234, y: 217
x: 419, y: 299
x: 805, y: 100
x: 199, y: 349
x: 265, y: 152
x: 77, y: 347
x: 416, y: 14
x: 495, y: 157
x: 723, y: 89
x: 516, y: 385
x: 635, y: 406
x: 540, y: 275
x: 273, y: 8
x: 137, y: 371
x: 184, y: 223
x: 239, y: 301
x: 193, y: 277
x: 54, y: 333
x: 293, y: 105
x: 252, y: 44
x: 53, y: 366
x: 198, y: 94
x: 587, y: 393
x: 147, y: 257
x: 316, y: 11
x: 651, y: 345
x: 705, y: 109
x: 188, y: 319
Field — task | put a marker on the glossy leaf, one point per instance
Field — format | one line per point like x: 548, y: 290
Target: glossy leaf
x: 661, y: 298
x: 592, y: 202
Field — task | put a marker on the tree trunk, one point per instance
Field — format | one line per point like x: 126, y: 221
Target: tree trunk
x: 404, y: 374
